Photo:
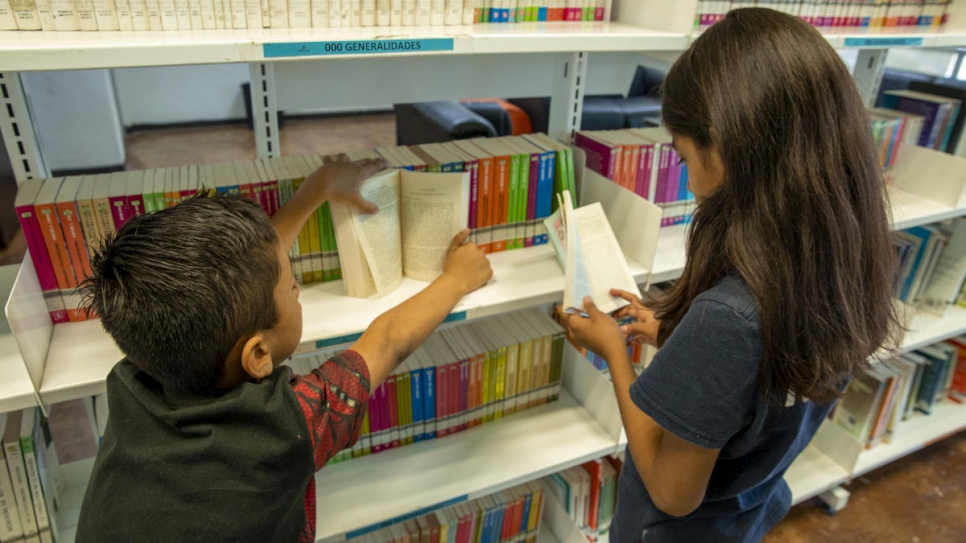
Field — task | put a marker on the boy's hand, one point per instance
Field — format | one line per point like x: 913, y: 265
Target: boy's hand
x: 646, y: 329
x: 598, y: 333
x: 466, y: 264
x: 339, y: 180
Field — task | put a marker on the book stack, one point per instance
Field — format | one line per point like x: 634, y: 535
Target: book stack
x: 907, y: 14
x: 27, y: 487
x: 460, y: 378
x: 588, y: 493
x: 513, y: 187
x: 112, y: 15
x: 942, y: 118
x: 876, y: 403
x: 932, y: 265
x: 891, y: 129
x: 510, y: 516
x: 643, y: 161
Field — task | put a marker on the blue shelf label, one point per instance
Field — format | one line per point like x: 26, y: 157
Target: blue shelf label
x: 407, y: 516
x: 884, y: 42
x: 358, y: 47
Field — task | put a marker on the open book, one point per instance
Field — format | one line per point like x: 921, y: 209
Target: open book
x: 419, y: 213
x: 590, y: 255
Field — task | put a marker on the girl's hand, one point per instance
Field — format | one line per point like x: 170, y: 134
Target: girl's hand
x: 599, y: 333
x: 646, y: 328
x: 339, y: 180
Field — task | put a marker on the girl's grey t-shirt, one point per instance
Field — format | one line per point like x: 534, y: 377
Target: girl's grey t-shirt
x: 702, y: 387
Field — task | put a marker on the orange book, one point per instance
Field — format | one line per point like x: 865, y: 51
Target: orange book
x: 46, y: 211
x: 500, y: 195
x: 70, y: 225
x: 484, y: 197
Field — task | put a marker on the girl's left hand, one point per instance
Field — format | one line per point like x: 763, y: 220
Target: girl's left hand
x: 599, y: 333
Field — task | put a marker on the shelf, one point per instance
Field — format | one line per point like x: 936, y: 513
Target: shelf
x: 82, y: 354
x: 910, y: 210
x: 495, y: 456
x: 16, y: 390
x: 669, y: 261
x: 813, y: 473
x: 36, y: 51
x: 928, y: 329
x: 916, y: 433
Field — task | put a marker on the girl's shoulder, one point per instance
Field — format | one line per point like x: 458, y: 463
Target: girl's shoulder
x: 733, y: 292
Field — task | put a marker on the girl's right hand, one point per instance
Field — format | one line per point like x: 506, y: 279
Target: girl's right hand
x: 646, y: 329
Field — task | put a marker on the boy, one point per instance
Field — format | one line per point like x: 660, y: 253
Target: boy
x: 208, y: 439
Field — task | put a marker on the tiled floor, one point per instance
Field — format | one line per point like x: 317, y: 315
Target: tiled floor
x: 920, y: 499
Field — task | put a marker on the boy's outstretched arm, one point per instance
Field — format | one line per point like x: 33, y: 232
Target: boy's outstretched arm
x: 338, y: 180
x: 395, y: 334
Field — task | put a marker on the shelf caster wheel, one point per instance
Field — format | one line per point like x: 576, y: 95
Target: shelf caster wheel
x: 833, y: 500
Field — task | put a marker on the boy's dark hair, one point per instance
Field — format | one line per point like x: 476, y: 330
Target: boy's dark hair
x: 178, y: 288
x: 801, y: 214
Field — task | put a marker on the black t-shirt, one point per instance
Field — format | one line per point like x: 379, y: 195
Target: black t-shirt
x: 174, y: 468
x: 702, y: 387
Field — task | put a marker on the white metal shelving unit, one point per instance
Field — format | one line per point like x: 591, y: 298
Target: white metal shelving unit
x: 71, y: 360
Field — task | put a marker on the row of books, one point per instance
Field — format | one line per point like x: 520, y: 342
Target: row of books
x: 932, y: 265
x: 113, y: 15
x: 920, y: 14
x: 643, y: 161
x: 941, y: 111
x: 876, y: 403
x: 892, y: 129
x: 588, y: 493
x: 26, y: 505
x: 460, y: 378
x: 513, y: 187
x: 510, y: 516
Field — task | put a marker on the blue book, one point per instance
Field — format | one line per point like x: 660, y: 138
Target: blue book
x: 924, y: 234
x: 933, y: 376
x: 416, y: 392
x: 542, y: 13
x: 429, y: 400
x: 525, y: 521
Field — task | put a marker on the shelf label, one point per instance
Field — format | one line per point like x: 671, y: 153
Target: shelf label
x: 407, y: 516
x: 357, y: 47
x: 897, y: 41
x: 350, y: 338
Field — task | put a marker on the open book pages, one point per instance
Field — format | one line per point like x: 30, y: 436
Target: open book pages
x: 590, y: 255
x: 419, y: 213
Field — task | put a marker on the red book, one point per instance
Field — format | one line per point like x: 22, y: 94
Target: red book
x: 595, y: 470
x: 442, y: 400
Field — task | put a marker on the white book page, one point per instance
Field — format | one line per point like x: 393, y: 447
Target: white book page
x: 435, y: 208
x: 379, y: 234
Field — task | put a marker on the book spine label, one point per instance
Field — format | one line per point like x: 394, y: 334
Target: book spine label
x: 21, y: 487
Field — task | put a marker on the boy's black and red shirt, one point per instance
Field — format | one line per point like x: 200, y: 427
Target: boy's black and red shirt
x: 234, y: 467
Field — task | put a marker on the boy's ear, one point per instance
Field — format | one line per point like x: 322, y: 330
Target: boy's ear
x: 256, y: 358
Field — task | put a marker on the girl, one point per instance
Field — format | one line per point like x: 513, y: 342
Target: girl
x: 785, y: 295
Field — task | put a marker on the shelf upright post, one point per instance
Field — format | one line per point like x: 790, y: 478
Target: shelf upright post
x: 18, y: 130
x: 264, y: 110
x: 869, y: 69
x: 567, y: 100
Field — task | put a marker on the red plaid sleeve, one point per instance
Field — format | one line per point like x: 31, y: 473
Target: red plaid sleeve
x: 334, y: 398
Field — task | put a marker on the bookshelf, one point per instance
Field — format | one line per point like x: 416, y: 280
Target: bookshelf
x: 16, y: 390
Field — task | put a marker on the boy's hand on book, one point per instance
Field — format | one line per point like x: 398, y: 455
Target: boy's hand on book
x: 598, y: 332
x: 646, y: 328
x: 339, y: 180
x: 466, y: 264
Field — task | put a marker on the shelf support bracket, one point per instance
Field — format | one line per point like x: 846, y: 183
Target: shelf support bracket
x: 18, y: 130
x: 869, y: 69
x: 567, y: 101
x: 264, y: 110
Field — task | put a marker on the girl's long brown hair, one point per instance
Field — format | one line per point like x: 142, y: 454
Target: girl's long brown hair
x: 801, y: 213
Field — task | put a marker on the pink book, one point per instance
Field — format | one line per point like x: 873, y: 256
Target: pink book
x: 601, y: 158
x: 24, y: 206
x: 376, y: 425
x: 673, y: 177
x: 598, y: 13
x: 454, y: 395
x: 661, y: 185
x: 645, y: 162
x: 135, y: 194
x: 117, y: 197
x: 464, y: 389
x: 393, y: 410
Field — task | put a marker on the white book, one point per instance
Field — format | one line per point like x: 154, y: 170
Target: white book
x: 169, y: 15
x: 335, y: 13
x: 122, y: 8
x: 356, y: 14
x: 437, y: 12
x: 9, y: 22
x: 139, y: 15
x: 369, y: 14
x: 345, y: 12
x: 453, y: 12
x: 65, y: 15
x: 395, y: 12
x: 299, y: 14
x: 10, y: 527
x: 18, y: 473
x: 208, y: 15
x: 278, y: 11
x: 409, y: 14
x: 266, y: 13
x: 469, y: 12
x: 238, y: 17
x: 423, y: 8
x: 44, y: 12
x: 320, y: 13
x: 85, y: 12
x: 28, y: 423
x: 26, y: 14
x: 253, y: 13
x: 182, y: 11
x: 382, y: 12
x: 219, y: 6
